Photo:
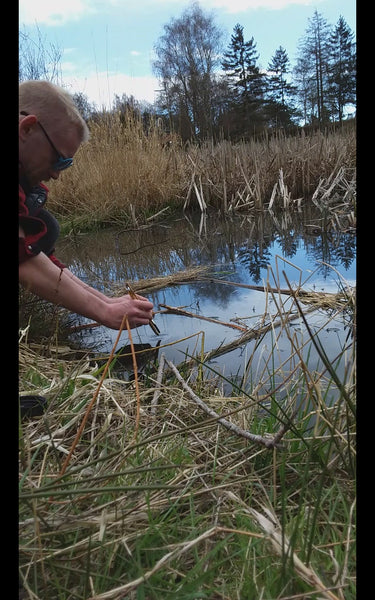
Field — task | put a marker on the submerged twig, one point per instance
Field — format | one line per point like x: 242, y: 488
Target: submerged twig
x: 174, y: 310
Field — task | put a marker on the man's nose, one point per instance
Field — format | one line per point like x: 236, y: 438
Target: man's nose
x: 55, y: 174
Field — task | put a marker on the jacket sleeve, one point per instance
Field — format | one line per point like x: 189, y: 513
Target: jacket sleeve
x: 41, y: 229
x: 28, y: 245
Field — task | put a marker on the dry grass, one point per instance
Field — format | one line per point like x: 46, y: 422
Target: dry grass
x: 183, y: 473
x: 124, y: 175
x: 162, y: 500
x: 120, y: 172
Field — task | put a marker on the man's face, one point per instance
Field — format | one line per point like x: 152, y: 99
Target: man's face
x: 40, y: 150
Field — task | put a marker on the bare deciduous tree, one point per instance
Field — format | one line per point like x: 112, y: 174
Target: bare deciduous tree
x: 37, y: 60
x: 188, y: 54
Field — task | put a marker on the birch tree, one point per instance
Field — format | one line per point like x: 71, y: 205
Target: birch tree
x: 187, y: 57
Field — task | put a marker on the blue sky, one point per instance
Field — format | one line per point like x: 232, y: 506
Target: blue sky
x: 108, y: 45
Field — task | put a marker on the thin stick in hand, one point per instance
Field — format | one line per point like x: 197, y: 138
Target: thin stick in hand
x: 133, y: 295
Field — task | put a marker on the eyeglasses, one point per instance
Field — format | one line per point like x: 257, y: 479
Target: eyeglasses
x: 62, y: 162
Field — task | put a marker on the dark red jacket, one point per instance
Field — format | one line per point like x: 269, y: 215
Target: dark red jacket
x: 41, y: 229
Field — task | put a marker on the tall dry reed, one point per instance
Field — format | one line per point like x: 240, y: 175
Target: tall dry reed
x: 126, y: 174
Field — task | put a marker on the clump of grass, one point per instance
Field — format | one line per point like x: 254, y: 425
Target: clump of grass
x: 162, y: 501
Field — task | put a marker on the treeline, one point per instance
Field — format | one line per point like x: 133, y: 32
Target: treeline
x: 211, y: 92
x: 207, y: 92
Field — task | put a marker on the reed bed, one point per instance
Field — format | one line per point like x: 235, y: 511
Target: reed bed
x: 174, y: 490
x: 125, y: 174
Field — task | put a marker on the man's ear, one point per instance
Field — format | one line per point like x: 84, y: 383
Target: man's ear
x: 26, y: 125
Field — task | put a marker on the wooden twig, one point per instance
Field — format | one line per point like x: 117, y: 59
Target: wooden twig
x: 258, y: 439
x: 258, y: 288
x: 76, y: 328
x: 155, y: 399
x: 174, y: 310
x: 134, y: 296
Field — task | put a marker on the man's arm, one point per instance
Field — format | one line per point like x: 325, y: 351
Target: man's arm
x: 59, y: 286
x: 93, y: 290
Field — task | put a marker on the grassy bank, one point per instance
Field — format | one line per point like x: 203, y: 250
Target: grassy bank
x: 124, y: 174
x: 165, y: 489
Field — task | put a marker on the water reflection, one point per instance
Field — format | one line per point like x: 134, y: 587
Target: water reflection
x: 249, y: 250
x: 161, y: 249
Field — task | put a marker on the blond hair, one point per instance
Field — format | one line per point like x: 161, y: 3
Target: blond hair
x: 52, y: 105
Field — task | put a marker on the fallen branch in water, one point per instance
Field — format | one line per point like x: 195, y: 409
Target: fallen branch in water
x: 250, y: 334
x: 174, y: 310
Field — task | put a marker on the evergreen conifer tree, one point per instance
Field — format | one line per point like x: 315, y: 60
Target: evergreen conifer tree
x: 246, y: 81
x: 280, y: 92
x: 342, y: 69
x: 239, y: 63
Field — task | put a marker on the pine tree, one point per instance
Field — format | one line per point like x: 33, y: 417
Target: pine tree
x: 314, y: 60
x: 246, y: 84
x: 342, y: 69
x: 280, y: 92
x: 240, y: 65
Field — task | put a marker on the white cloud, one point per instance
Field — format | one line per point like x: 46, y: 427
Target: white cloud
x: 238, y: 6
x: 100, y: 88
x: 68, y: 67
x: 59, y: 12
x: 233, y: 6
x: 53, y: 12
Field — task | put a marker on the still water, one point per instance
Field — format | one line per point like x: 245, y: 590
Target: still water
x: 281, y: 249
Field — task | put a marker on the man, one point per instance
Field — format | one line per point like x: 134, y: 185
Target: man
x: 51, y: 130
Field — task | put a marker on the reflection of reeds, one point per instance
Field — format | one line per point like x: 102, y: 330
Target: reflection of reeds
x: 177, y: 245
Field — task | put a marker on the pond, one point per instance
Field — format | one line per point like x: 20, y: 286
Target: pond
x: 284, y: 250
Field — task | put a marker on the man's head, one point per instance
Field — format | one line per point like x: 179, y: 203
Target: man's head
x: 51, y: 130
